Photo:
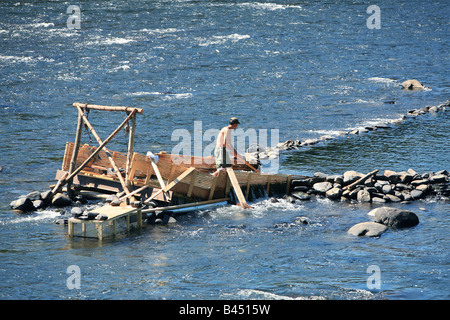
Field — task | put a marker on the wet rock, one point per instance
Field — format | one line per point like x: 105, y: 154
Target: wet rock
x: 47, y: 197
x: 301, y: 196
x: 22, y: 204
x: 417, y: 194
x: 376, y: 200
x: 413, y: 84
x: 394, y: 217
x: 418, y: 182
x: 76, y: 212
x: 61, y: 200
x: 393, y: 176
x: 322, y: 187
x: 387, y: 189
x: 334, y: 193
x: 301, y: 220
x: 367, y: 229
x: 39, y: 204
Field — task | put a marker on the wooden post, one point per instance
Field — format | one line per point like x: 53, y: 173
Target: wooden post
x: 130, y: 150
x: 76, y: 148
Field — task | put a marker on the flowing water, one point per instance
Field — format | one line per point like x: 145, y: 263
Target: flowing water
x: 306, y: 68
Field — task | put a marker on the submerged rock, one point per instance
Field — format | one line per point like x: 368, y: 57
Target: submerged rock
x: 367, y: 229
x: 22, y: 204
x: 413, y: 84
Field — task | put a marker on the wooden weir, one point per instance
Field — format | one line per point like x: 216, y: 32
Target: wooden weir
x: 172, y: 183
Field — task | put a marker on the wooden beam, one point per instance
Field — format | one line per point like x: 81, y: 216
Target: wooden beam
x: 76, y: 148
x: 130, y: 150
x: 107, y: 108
x: 213, y: 187
x: 191, y: 185
x: 171, y: 184
x: 360, y: 180
x: 237, y: 188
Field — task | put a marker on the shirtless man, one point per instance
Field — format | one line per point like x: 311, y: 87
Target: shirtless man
x: 222, y: 144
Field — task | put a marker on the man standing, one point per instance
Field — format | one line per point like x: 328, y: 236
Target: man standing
x: 223, y: 143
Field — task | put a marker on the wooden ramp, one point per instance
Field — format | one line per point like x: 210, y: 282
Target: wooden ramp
x: 117, y: 220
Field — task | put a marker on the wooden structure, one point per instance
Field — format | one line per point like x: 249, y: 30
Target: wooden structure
x: 171, y: 182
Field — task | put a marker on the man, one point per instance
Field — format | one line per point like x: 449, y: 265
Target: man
x: 223, y: 143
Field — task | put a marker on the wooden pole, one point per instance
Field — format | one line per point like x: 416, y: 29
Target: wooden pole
x: 111, y: 160
x: 130, y: 150
x: 76, y: 148
x: 63, y: 180
x: 360, y: 180
x: 107, y: 108
x: 185, y: 205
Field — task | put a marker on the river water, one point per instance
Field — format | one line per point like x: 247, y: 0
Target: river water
x: 304, y: 68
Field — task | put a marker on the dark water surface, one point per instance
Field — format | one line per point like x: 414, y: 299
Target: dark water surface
x: 304, y: 68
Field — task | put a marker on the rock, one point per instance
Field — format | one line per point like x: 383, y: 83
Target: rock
x: 367, y: 229
x: 301, y: 196
x: 393, y: 176
x: 423, y: 187
x: 416, y: 194
x: 111, y: 198
x: 22, y: 204
x: 334, y: 193
x: 392, y: 198
x: 378, y: 200
x: 301, y: 220
x: 363, y: 196
x: 421, y: 181
x: 351, y: 176
x: 394, y: 217
x: 387, y: 189
x: 47, y: 196
x: 438, y: 178
x: 76, y: 212
x: 39, y: 204
x: 61, y: 200
x: 274, y: 200
x: 301, y: 183
x: 322, y: 187
x: 412, y: 85
x: 406, y: 178
x: 115, y: 203
x: 35, y: 195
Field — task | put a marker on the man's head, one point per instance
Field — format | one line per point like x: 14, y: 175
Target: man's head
x: 234, y: 122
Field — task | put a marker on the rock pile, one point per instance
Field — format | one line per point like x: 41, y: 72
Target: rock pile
x: 297, y: 144
x: 373, y: 187
x: 40, y: 200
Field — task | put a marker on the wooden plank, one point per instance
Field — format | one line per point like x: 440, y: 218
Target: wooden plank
x: 191, y: 185
x: 237, y: 188
x: 213, y: 188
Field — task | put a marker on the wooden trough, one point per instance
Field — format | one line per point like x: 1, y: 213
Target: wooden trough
x: 173, y: 182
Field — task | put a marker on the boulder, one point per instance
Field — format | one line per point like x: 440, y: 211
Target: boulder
x: 387, y: 189
x: 438, y: 178
x: 301, y: 196
x: 351, y: 176
x: 47, y: 196
x: 322, y: 187
x: 35, y: 195
x: 22, y: 204
x: 61, y: 200
x: 393, y: 176
x: 334, y: 193
x: 394, y: 217
x: 39, y: 204
x: 417, y: 194
x: 392, y: 198
x: 413, y: 84
x: 367, y: 229
x: 363, y: 196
